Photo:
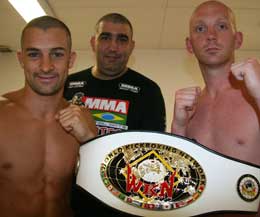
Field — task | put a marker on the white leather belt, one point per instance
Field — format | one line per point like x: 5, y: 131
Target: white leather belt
x: 159, y: 174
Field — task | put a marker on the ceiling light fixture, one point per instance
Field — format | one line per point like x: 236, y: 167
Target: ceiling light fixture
x: 28, y: 9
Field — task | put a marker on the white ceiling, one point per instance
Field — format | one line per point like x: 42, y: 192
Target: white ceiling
x: 158, y: 24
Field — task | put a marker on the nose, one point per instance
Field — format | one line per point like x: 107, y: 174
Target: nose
x: 113, y: 45
x: 212, y: 34
x: 46, y: 64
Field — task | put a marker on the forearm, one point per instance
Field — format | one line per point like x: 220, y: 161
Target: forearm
x: 257, y: 102
x: 178, y: 129
x: 90, y: 134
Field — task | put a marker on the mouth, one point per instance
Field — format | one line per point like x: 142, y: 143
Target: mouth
x: 47, y: 78
x: 212, y: 49
x: 112, y: 57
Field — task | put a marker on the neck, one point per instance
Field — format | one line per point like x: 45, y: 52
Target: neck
x: 217, y: 78
x: 41, y: 107
x: 98, y: 73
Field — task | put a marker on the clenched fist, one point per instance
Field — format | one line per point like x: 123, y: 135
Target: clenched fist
x: 78, y: 121
x: 249, y: 72
x: 185, y: 105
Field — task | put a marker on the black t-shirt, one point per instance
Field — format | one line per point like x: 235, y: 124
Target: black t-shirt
x: 130, y: 102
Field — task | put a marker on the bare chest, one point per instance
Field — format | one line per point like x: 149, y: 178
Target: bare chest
x: 228, y: 126
x: 31, y: 148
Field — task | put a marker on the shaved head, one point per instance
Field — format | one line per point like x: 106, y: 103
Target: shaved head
x: 213, y: 4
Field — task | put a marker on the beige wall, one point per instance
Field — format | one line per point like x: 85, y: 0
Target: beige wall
x: 171, y: 69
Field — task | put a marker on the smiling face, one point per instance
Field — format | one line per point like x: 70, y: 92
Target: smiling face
x: 46, y: 59
x: 113, y: 46
x: 213, y: 37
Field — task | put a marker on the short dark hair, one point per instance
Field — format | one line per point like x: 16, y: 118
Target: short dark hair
x: 114, y: 18
x: 46, y: 22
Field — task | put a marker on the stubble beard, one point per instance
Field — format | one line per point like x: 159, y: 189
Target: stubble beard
x: 112, y: 71
x: 45, y: 90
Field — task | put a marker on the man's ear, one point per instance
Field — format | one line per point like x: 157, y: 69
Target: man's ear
x: 132, y: 45
x: 20, y: 58
x: 238, y: 40
x: 189, y: 45
x: 73, y: 56
x: 93, y: 43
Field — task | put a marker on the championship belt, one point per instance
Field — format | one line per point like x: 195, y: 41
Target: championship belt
x: 160, y: 174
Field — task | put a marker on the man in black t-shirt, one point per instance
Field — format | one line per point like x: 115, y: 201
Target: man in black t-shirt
x: 118, y: 97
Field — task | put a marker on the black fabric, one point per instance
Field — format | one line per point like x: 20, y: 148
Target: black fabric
x: 146, y: 104
x: 146, y: 111
x: 86, y: 205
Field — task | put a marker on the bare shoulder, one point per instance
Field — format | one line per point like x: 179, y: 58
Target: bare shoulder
x: 2, y: 98
x: 3, y: 101
x: 10, y: 98
x: 6, y: 107
x: 13, y: 95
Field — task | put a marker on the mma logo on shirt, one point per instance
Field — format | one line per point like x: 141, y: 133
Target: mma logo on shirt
x: 108, y: 111
x: 110, y: 105
x: 77, y: 84
x: 132, y: 88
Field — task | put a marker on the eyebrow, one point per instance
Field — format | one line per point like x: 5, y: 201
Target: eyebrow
x: 218, y: 19
x: 36, y: 49
x: 111, y: 34
x: 123, y: 35
x: 31, y: 49
x: 58, y: 48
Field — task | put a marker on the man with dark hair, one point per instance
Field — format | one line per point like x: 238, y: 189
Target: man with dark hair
x: 118, y: 97
x: 46, y: 22
x: 40, y: 132
x: 114, y: 18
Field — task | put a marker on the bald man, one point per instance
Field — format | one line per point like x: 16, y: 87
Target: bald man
x: 224, y: 115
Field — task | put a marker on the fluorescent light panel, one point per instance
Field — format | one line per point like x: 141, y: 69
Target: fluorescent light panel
x: 28, y: 9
